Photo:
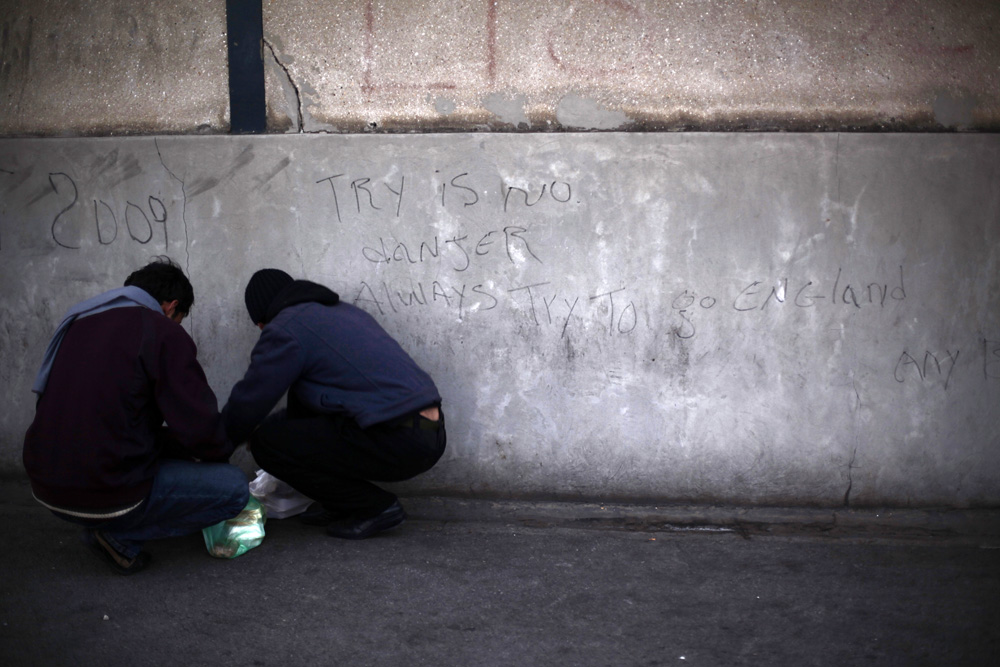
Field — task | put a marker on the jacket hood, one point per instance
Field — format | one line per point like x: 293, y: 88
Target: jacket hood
x: 301, y: 291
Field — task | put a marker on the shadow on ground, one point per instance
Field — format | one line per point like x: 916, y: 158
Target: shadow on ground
x: 503, y: 583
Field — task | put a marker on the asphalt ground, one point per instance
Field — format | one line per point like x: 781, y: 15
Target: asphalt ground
x: 481, y: 582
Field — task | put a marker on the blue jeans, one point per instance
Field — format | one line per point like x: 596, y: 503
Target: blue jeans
x: 185, y: 498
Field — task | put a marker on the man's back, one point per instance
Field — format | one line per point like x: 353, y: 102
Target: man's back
x: 354, y: 365
x: 335, y: 359
x: 118, y: 374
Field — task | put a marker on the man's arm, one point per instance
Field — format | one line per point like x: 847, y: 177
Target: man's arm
x: 276, y: 362
x: 185, y: 399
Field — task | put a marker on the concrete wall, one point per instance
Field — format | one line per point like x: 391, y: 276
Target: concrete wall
x: 741, y: 318
x: 120, y: 67
x: 666, y: 389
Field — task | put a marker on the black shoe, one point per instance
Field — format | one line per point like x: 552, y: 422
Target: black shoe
x: 118, y: 563
x: 359, y: 529
x: 317, y: 515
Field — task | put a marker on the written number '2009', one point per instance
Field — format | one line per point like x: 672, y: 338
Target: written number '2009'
x: 138, y: 223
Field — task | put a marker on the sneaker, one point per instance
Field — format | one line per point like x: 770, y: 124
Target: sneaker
x: 362, y: 528
x: 119, y: 564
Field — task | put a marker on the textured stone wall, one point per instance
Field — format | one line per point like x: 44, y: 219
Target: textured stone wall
x: 118, y: 67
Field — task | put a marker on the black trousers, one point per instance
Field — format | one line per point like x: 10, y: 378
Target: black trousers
x: 334, y: 461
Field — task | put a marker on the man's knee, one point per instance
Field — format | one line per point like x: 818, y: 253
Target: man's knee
x: 233, y: 487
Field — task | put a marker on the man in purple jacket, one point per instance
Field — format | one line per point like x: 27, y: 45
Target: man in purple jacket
x: 97, y: 452
x: 359, y: 408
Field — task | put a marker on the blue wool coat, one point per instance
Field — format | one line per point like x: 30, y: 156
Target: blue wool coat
x: 333, y: 357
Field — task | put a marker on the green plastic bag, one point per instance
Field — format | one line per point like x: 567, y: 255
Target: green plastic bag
x: 234, y: 537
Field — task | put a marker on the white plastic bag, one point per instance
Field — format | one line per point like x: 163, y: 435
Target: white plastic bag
x: 278, y: 498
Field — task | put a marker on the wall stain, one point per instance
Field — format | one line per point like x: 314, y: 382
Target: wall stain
x: 264, y: 179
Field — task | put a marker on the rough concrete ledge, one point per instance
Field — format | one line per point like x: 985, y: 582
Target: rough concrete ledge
x: 969, y: 526
x: 114, y: 67
x: 965, y: 526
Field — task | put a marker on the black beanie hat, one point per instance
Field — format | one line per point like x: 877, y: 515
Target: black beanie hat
x: 261, y: 290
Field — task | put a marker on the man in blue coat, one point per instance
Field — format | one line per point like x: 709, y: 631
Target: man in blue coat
x: 359, y: 408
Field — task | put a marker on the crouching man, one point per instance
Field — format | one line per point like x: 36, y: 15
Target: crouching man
x: 359, y: 408
x: 97, y: 452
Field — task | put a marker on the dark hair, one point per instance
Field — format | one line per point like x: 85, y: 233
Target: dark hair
x: 165, y: 282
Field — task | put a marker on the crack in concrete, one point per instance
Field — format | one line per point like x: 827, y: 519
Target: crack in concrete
x: 850, y: 478
x: 300, y: 127
x: 187, y: 238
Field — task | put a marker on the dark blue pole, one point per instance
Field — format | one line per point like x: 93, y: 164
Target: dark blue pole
x: 245, y: 29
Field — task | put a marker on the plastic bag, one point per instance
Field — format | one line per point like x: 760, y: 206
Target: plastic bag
x: 280, y: 499
x: 234, y: 537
